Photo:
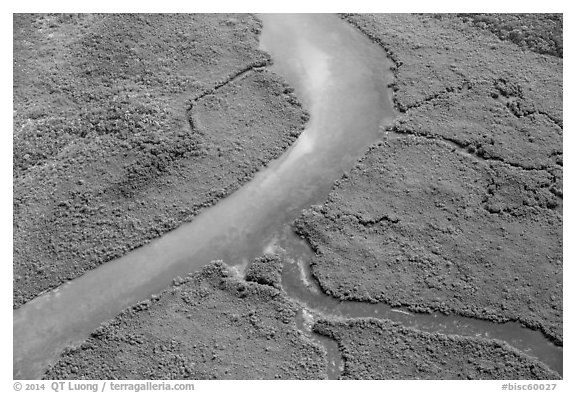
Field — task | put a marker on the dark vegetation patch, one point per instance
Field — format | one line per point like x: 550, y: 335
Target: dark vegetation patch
x: 540, y: 33
x: 266, y: 270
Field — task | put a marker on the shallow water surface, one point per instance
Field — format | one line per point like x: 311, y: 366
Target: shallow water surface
x: 300, y: 285
x: 342, y: 80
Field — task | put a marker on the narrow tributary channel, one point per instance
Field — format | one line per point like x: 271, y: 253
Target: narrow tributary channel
x: 342, y: 79
x: 301, y: 286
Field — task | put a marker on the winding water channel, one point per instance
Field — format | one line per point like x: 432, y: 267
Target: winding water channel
x: 342, y: 79
x: 301, y: 286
